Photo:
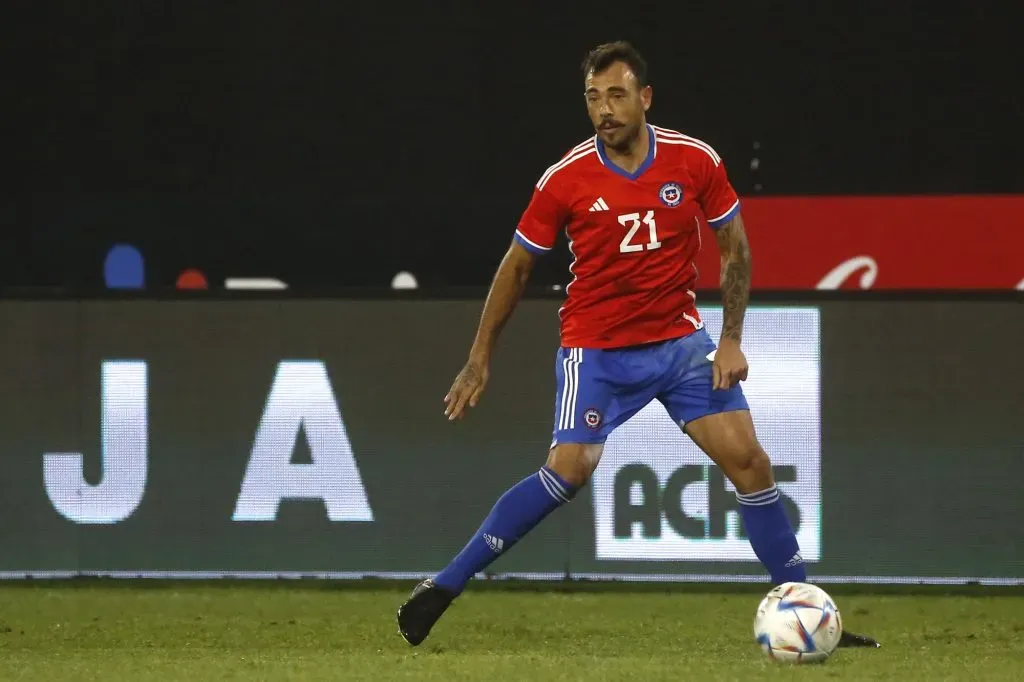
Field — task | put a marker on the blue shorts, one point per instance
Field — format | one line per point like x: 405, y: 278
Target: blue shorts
x: 600, y: 389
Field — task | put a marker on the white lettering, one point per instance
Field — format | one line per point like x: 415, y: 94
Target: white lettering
x: 123, y: 444
x: 839, y: 274
x: 301, y: 397
x: 632, y: 221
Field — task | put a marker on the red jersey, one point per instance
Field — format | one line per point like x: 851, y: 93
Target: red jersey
x: 633, y: 237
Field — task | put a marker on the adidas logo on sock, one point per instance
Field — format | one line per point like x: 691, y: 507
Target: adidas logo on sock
x: 795, y: 561
x: 496, y: 544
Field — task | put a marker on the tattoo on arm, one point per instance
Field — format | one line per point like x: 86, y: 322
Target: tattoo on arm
x: 735, y: 281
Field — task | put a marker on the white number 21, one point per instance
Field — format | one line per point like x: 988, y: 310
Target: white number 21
x: 632, y: 221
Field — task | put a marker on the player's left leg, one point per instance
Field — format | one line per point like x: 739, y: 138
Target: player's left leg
x: 719, y: 422
x: 728, y: 438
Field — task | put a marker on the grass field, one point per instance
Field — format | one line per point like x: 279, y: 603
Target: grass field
x: 232, y: 631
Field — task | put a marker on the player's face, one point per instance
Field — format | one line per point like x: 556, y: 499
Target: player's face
x: 616, y: 104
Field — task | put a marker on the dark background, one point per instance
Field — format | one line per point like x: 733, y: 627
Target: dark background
x: 921, y: 449
x: 336, y: 143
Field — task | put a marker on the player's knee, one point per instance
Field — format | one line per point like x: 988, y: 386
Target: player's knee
x: 574, y: 462
x: 752, y: 471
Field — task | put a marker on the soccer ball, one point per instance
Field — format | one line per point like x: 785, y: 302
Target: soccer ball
x: 798, y: 623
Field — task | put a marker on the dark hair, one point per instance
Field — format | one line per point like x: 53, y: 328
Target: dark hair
x: 603, y: 56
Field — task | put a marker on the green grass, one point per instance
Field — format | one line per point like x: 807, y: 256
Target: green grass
x: 233, y: 631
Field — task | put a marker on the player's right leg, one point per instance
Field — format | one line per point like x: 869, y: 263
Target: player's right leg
x: 585, y: 412
x: 518, y: 511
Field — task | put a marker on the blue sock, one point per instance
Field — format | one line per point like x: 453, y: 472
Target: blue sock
x: 515, y: 514
x: 771, y: 536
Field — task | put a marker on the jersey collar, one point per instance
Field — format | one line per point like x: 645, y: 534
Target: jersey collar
x: 652, y: 151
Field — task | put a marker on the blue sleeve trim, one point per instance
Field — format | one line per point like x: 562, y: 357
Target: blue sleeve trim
x: 722, y: 220
x: 536, y: 249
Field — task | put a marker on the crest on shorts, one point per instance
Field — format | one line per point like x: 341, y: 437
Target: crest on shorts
x: 670, y: 194
x: 592, y: 418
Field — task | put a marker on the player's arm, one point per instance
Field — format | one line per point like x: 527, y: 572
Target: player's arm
x: 734, y: 252
x: 730, y: 364
x: 534, y: 236
x: 722, y: 208
x: 506, y: 290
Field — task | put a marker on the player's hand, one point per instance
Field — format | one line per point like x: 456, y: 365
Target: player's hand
x: 729, y: 367
x: 466, y: 390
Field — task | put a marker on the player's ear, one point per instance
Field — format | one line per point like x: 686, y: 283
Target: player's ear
x: 645, y: 96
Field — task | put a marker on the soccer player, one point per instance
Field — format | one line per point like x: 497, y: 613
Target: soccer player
x: 630, y: 199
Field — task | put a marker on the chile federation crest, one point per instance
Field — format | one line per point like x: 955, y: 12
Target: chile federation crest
x: 671, y: 194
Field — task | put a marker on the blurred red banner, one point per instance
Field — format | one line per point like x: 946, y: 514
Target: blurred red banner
x: 942, y: 242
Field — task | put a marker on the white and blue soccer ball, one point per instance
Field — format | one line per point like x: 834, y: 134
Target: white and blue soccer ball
x: 798, y: 623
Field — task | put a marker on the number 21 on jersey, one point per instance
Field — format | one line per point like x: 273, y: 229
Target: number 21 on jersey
x: 633, y: 222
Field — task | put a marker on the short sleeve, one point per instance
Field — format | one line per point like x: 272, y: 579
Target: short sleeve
x: 539, y: 226
x: 718, y: 199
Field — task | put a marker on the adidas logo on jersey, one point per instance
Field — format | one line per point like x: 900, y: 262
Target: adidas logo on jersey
x: 496, y: 544
x: 796, y: 560
x: 599, y: 205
